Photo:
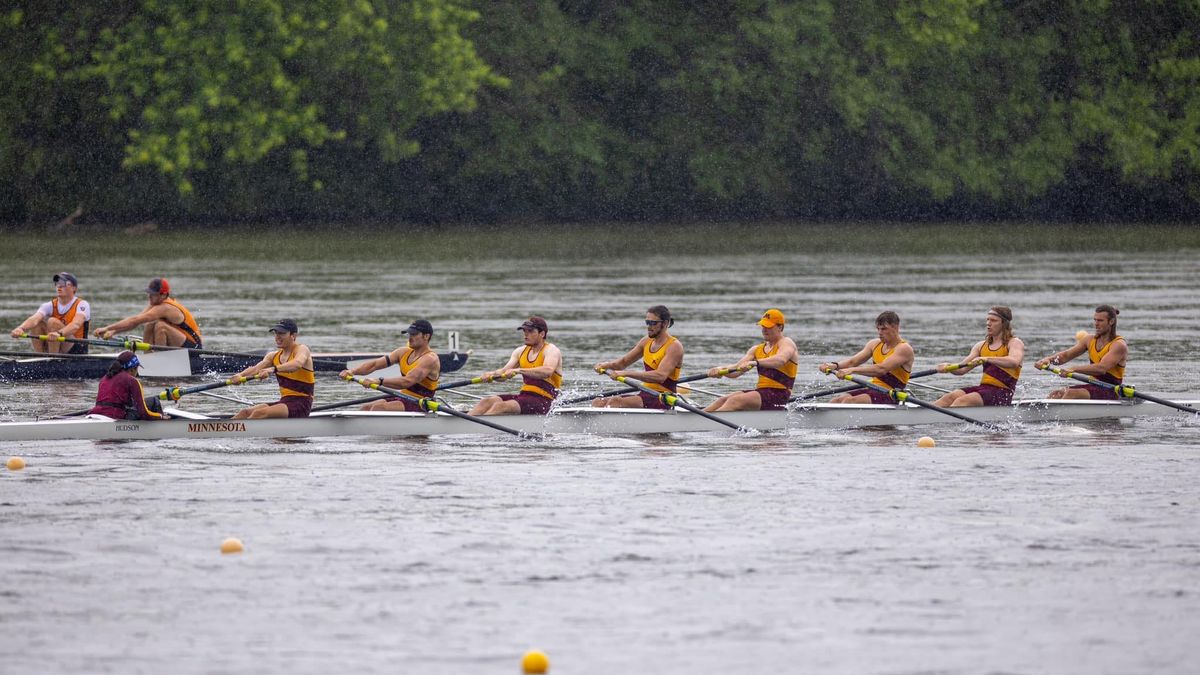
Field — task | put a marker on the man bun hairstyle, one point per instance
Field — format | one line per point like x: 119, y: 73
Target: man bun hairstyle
x: 662, y: 313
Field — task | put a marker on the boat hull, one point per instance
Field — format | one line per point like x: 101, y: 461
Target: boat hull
x: 595, y: 421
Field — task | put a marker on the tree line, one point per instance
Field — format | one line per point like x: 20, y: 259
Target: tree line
x: 598, y: 110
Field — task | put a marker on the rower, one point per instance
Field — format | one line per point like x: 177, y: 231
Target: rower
x: 420, y: 369
x: 65, y: 315
x: 120, y: 395
x: 1107, y: 354
x: 891, y: 363
x: 662, y: 356
x: 1000, y: 353
x: 167, y: 322
x: 539, y: 363
x: 292, y: 365
x: 776, y: 359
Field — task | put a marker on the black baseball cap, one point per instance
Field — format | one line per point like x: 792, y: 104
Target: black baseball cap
x: 284, y: 326
x: 419, y: 326
x: 68, y: 277
x: 535, y: 323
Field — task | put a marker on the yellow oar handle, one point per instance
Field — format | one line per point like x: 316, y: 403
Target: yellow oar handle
x: 427, y: 404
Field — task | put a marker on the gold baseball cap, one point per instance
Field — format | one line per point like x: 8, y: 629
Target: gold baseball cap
x: 771, y: 318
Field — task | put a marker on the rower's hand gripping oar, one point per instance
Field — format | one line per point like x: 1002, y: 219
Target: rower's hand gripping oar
x: 378, y: 397
x: 433, y: 405
x: 1121, y: 390
x: 175, y: 393
x: 623, y: 390
x: 671, y: 400
x: 902, y: 396
x: 852, y: 387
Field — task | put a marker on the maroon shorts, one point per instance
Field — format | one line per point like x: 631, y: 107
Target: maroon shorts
x: 991, y: 394
x: 1096, y: 392
x: 409, y: 406
x: 651, y: 401
x: 773, y: 398
x: 297, y: 406
x: 877, y: 397
x: 531, y: 404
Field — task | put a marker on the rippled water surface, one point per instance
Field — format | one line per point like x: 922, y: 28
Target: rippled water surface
x: 1048, y: 548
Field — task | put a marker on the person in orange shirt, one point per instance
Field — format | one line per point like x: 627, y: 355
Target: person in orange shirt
x: 662, y: 356
x: 776, y: 359
x: 65, y: 315
x: 1107, y: 354
x: 167, y: 323
x: 539, y: 364
x: 420, y: 369
x: 891, y: 363
x: 1000, y: 353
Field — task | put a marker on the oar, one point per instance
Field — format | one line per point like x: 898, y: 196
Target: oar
x: 136, y: 345
x: 672, y: 400
x: 1125, y: 390
x: 434, y: 405
x: 624, y: 390
x: 902, y: 396
x: 377, y: 397
x: 852, y: 387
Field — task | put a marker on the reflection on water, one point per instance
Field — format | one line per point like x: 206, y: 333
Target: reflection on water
x: 1051, y: 548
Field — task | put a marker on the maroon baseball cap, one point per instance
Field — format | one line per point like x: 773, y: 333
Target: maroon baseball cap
x: 159, y: 286
x: 535, y: 323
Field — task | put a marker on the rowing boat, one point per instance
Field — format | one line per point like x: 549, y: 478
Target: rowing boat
x: 92, y: 366
x: 596, y: 421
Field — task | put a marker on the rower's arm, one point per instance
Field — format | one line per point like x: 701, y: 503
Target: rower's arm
x: 33, y: 320
x: 77, y: 321
x: 1016, y: 355
x: 1065, y: 355
x: 300, y: 358
x: 734, y: 370
x: 1115, y: 357
x: 623, y: 362
x: 787, y: 353
x: 151, y: 313
x: 901, y: 355
x: 969, y: 361
x: 422, y: 369
x: 368, y: 367
x: 254, y: 369
x: 551, y: 364
x: 846, y: 364
x: 670, y: 361
x: 511, y: 364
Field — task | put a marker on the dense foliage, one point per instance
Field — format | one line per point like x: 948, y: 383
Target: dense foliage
x: 443, y: 110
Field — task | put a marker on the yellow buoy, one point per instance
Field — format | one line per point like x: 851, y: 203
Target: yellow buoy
x: 1082, y: 335
x: 232, y: 545
x: 535, y: 662
x: 926, y: 442
x: 15, y: 464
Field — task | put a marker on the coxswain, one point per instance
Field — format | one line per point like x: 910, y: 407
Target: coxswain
x: 539, y: 363
x: 1000, y: 353
x: 661, y: 355
x: 292, y: 365
x: 165, y: 321
x: 891, y: 359
x: 65, y: 315
x: 120, y: 395
x: 1107, y: 354
x: 419, y: 366
x: 776, y: 359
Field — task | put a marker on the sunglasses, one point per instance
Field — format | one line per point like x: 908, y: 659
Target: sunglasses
x: 651, y: 322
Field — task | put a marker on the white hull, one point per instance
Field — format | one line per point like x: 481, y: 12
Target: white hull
x: 598, y: 421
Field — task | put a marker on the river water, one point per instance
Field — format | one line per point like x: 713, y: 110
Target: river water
x: 1046, y: 549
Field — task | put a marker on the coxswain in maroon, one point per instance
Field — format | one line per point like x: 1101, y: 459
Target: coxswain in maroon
x: 1107, y: 354
x: 891, y: 359
x: 1000, y: 353
x: 661, y: 355
x: 120, y: 395
x: 66, y: 315
x: 539, y: 363
x: 776, y: 359
x: 420, y: 369
x: 165, y: 322
x: 291, y: 364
